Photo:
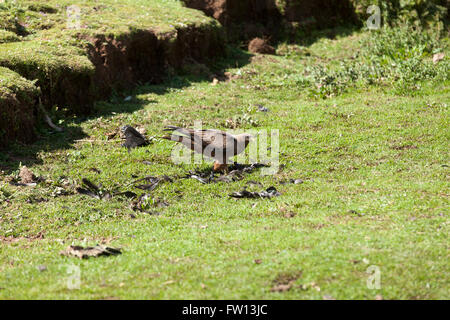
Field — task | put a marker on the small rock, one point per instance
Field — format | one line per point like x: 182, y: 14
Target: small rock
x: 42, y: 268
x: 26, y: 175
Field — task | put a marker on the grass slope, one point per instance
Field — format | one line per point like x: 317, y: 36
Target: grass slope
x: 375, y: 193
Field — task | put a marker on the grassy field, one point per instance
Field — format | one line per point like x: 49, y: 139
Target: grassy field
x: 374, y: 165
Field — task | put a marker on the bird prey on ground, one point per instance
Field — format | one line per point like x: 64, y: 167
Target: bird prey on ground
x: 214, y: 144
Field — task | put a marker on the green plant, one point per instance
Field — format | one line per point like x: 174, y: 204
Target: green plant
x: 400, y: 57
x: 397, y: 12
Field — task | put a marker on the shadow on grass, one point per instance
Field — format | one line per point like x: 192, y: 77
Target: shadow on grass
x: 307, y: 38
x: 19, y: 154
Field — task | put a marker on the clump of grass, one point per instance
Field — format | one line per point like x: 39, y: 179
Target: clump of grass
x: 12, y: 83
x: 11, y: 16
x: 8, y: 36
x: 398, y: 57
x: 424, y: 12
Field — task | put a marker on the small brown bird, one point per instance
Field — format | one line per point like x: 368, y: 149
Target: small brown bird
x: 214, y: 144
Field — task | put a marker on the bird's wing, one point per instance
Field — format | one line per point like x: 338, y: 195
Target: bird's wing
x: 207, y: 137
x: 214, y: 139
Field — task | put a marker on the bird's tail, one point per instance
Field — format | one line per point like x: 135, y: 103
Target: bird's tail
x: 171, y: 128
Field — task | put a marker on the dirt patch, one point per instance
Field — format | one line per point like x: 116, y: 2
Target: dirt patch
x: 285, y: 281
x: 259, y: 45
x: 26, y: 175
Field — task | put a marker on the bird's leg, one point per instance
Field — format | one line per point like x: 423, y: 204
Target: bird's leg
x: 220, y: 167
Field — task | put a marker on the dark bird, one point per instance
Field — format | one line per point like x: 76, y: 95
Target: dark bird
x: 133, y: 138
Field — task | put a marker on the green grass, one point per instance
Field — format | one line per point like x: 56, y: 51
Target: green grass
x: 43, y: 59
x: 8, y: 36
x: 375, y: 192
x: 12, y: 83
x: 111, y: 17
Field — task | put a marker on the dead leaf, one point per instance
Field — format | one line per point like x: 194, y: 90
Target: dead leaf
x: 141, y: 130
x: 289, y: 214
x: 236, y: 173
x: 314, y: 286
x: 438, y: 57
x: 26, y: 176
x: 268, y: 193
x: 84, y: 253
x: 293, y: 181
x: 92, y: 190
x: 261, y: 108
x: 95, y: 170
x: 285, y: 282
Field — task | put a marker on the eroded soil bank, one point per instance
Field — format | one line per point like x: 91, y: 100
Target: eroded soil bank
x: 117, y: 63
x: 17, y: 114
x: 144, y: 57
